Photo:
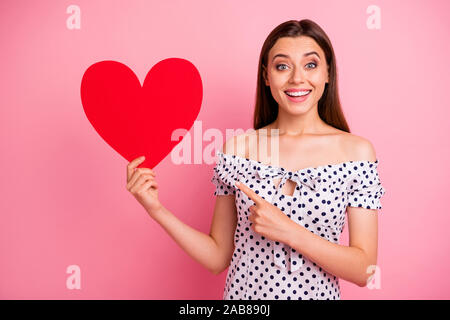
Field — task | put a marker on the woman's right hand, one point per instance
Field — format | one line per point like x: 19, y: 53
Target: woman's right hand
x: 142, y: 185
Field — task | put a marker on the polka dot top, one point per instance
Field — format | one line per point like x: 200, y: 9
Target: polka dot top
x: 264, y: 269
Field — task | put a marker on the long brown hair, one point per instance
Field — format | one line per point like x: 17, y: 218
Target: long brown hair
x: 329, y: 106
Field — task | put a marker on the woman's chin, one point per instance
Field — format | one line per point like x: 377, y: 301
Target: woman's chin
x: 297, y: 109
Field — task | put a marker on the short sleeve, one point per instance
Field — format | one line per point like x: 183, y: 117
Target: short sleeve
x: 365, y: 189
x: 221, y: 187
x: 225, y: 174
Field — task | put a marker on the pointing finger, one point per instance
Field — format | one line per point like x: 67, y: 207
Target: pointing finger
x: 249, y: 192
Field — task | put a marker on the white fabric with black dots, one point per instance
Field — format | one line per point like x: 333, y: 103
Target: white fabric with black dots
x: 264, y: 269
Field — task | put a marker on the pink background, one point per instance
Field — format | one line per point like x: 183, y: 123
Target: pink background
x: 63, y: 196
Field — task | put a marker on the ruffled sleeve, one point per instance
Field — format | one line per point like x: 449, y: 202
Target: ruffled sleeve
x: 365, y: 189
x: 225, y: 174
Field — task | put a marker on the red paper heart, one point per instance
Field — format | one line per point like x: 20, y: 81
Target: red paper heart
x: 139, y: 120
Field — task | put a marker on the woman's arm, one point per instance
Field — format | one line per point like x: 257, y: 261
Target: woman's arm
x: 347, y: 262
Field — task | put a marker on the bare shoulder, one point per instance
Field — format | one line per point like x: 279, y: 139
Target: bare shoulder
x: 358, y: 148
x: 238, y: 145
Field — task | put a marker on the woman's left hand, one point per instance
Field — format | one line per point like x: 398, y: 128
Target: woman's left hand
x: 268, y: 220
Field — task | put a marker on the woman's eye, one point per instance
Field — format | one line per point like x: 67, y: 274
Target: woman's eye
x: 315, y: 65
x: 279, y: 65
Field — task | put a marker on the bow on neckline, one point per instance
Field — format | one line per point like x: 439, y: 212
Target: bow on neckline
x: 307, y: 177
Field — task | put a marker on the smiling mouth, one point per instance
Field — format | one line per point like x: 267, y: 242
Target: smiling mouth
x: 298, y: 96
x: 298, y: 99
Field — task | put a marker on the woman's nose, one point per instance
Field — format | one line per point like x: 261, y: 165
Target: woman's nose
x: 297, y: 75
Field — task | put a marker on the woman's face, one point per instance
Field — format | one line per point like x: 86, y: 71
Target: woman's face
x: 296, y: 70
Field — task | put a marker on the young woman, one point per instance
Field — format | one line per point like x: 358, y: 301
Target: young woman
x: 278, y: 231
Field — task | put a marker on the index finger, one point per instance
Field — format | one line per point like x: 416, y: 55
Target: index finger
x: 132, y: 165
x: 249, y: 192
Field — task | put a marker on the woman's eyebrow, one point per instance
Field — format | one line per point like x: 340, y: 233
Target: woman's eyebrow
x: 286, y: 56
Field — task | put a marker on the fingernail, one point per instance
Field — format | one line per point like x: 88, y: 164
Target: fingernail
x: 237, y: 183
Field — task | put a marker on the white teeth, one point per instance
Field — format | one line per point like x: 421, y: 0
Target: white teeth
x: 297, y: 94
